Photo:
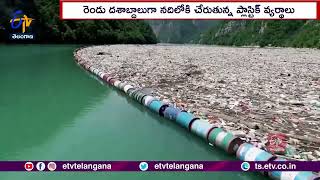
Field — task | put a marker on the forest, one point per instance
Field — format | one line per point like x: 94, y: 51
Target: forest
x: 278, y: 33
x: 48, y: 28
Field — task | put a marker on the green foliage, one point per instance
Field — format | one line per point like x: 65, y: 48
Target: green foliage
x: 308, y: 36
x: 281, y: 33
x: 50, y: 29
x: 180, y: 31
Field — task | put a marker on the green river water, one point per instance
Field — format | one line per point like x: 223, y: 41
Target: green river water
x: 51, y: 109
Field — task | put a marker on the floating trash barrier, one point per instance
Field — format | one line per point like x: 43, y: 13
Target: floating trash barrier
x: 112, y: 80
x: 171, y: 113
x: 295, y: 175
x: 96, y: 71
x: 132, y: 93
x: 162, y: 109
x: 147, y: 100
x: 155, y: 106
x: 101, y: 74
x: 135, y: 95
x: 109, y: 78
x: 201, y: 128
x: 105, y: 78
x: 213, y: 135
x: 184, y: 119
x: 116, y: 83
x: 248, y: 152
x: 127, y: 87
x: 224, y: 140
x: 129, y: 92
x: 93, y: 70
x: 122, y: 85
x: 86, y: 67
x: 140, y: 97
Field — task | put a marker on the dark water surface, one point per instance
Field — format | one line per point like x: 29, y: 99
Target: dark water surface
x: 51, y: 109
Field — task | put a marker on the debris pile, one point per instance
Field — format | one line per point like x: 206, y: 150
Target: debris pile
x: 267, y: 96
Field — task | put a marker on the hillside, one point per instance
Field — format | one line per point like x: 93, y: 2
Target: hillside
x: 180, y: 31
x: 48, y: 28
x: 298, y: 33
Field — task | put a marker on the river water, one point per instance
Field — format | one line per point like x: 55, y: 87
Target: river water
x: 51, y: 109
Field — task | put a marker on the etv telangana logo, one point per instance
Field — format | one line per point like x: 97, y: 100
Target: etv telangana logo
x: 20, y: 20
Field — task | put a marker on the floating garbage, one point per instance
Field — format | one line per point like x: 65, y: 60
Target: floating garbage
x: 171, y: 113
x: 315, y: 103
x: 239, y: 98
x: 276, y: 143
x: 290, y: 151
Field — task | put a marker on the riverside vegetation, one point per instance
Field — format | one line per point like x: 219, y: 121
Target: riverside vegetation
x: 281, y: 33
x: 48, y: 28
x: 298, y: 33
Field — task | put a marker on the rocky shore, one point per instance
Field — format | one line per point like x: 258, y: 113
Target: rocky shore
x: 254, y: 93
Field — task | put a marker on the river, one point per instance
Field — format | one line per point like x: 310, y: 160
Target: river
x: 51, y: 109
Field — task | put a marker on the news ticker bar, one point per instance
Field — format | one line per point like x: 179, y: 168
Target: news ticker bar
x: 128, y: 9
x: 162, y: 166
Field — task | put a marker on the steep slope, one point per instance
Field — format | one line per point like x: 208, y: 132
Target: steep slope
x: 180, y: 31
x: 50, y: 29
x: 297, y: 33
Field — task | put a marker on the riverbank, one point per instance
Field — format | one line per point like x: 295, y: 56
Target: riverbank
x: 248, y: 91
